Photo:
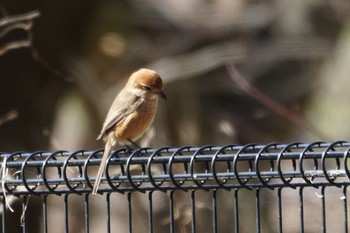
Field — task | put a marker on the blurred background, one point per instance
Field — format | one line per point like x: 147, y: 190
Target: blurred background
x: 234, y: 71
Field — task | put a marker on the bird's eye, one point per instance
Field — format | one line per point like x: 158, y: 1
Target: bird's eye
x: 146, y: 88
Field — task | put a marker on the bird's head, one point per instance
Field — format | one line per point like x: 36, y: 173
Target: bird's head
x: 147, y: 81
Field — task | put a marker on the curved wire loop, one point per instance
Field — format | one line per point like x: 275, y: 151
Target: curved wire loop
x: 309, y: 149
x: 196, y: 177
x: 5, y: 167
x: 87, y: 178
x: 329, y: 177
x: 235, y: 162
x: 114, y: 181
x: 46, y: 164
x: 137, y: 182
x: 287, y: 149
x: 265, y: 149
x: 345, y: 161
x: 221, y: 182
x: 156, y: 184
x: 177, y: 153
x: 23, y: 173
x: 72, y: 186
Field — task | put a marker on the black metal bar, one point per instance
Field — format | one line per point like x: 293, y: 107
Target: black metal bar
x: 129, y: 212
x: 86, y: 212
x: 66, y: 212
x: 257, y: 210
x: 108, y: 212
x: 323, y: 206
x: 24, y: 219
x: 168, y: 188
x: 214, y: 211
x: 187, y: 177
x: 236, y: 210
x: 345, y: 208
x: 45, y: 225
x: 193, y: 211
x: 3, y: 216
x: 171, y: 211
x: 301, y: 209
x: 279, y: 206
x: 150, y: 212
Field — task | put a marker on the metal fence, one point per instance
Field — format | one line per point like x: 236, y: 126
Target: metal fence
x: 293, y: 187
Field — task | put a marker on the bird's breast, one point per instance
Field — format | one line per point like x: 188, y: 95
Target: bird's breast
x: 137, y: 123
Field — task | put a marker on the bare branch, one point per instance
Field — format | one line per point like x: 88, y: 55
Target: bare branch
x: 14, y: 45
x: 269, y: 102
x: 23, y: 22
x: 19, y: 18
x: 11, y: 115
x: 264, y: 99
x: 23, y: 26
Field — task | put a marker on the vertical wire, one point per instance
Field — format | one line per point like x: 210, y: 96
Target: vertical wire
x: 4, y: 213
x: 345, y: 209
x: 235, y: 210
x: 279, y: 205
x: 301, y: 209
x: 323, y: 205
x: 150, y: 212
x: 129, y: 213
x: 108, y: 212
x: 193, y: 209
x: 86, y: 210
x: 24, y: 214
x: 171, y: 211
x: 214, y: 212
x: 257, y: 212
x: 45, y: 213
x: 66, y: 217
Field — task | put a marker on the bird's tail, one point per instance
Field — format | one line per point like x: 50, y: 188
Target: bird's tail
x: 101, y: 169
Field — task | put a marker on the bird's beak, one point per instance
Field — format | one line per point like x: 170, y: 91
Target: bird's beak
x: 162, y: 94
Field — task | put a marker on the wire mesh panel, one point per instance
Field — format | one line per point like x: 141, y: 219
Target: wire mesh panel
x: 253, y: 188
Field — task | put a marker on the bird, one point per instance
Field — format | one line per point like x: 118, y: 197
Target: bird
x: 131, y: 114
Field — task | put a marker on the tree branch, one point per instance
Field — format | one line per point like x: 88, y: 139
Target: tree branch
x: 19, y: 18
x: 19, y: 22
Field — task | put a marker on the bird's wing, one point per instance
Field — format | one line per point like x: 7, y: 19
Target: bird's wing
x: 115, y: 117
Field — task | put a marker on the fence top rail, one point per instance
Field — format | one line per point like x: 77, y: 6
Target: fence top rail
x: 209, y: 167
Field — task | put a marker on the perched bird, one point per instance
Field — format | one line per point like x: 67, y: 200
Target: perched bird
x: 131, y: 114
